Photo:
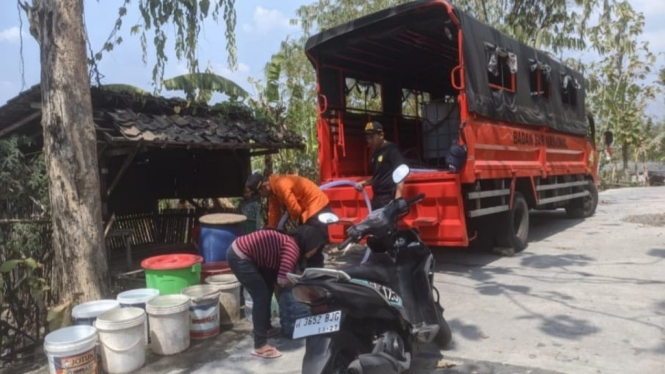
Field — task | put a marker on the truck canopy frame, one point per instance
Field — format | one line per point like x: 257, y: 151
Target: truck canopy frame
x: 504, y: 79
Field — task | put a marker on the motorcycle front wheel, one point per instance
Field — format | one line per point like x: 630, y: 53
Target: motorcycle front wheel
x: 444, y: 336
x: 344, y: 348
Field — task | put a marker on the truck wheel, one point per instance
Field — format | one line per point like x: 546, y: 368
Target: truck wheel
x: 515, y: 231
x: 586, y: 206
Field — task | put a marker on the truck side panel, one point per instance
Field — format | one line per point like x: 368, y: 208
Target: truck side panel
x: 440, y: 217
x: 499, y: 150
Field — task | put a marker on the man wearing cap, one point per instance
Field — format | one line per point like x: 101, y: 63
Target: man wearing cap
x: 302, y: 198
x: 386, y: 157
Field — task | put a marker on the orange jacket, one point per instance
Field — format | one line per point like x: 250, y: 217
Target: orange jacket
x: 301, y: 197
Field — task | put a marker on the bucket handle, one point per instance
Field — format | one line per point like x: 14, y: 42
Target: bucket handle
x: 199, y: 298
x: 122, y: 350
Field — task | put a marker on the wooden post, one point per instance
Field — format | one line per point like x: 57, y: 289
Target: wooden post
x: 103, y: 183
x: 123, y: 169
x: 268, y: 163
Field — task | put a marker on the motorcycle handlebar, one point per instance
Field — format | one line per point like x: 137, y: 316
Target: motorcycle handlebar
x: 345, y: 243
x: 410, y: 201
x: 415, y: 199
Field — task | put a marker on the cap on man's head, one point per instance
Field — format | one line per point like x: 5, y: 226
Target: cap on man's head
x: 373, y: 127
x: 254, y: 181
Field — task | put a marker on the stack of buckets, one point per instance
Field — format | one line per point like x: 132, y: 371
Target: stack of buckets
x: 174, y: 309
x: 112, y: 334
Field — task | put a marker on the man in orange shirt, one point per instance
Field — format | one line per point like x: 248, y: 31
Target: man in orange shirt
x: 302, y: 198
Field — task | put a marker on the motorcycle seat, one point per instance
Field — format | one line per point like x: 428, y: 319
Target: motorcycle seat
x: 374, y: 270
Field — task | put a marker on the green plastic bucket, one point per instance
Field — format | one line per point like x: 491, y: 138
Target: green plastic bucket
x: 171, y: 274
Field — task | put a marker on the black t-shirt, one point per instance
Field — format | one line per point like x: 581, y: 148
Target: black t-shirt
x: 384, y: 161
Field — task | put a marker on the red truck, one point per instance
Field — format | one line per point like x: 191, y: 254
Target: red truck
x: 442, y: 82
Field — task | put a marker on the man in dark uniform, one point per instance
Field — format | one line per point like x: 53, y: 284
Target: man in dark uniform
x: 386, y: 157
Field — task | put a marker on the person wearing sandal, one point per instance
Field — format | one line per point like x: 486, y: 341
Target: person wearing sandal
x: 260, y: 261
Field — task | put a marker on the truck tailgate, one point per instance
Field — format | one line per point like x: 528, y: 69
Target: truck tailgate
x: 440, y: 217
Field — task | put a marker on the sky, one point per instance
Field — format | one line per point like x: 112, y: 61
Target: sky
x: 261, y: 26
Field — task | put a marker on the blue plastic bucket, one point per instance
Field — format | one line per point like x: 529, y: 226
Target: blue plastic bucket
x: 138, y: 298
x: 218, y: 231
x: 86, y: 313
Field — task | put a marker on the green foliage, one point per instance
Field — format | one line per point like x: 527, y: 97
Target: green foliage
x: 180, y: 18
x: 9, y: 265
x: 618, y: 88
x: 23, y: 246
x: 287, y: 97
x: 184, y: 18
x: 555, y: 25
x: 125, y: 88
x: 325, y: 14
x: 23, y: 179
x: 200, y: 86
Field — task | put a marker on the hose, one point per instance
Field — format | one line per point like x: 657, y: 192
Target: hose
x: 326, y: 186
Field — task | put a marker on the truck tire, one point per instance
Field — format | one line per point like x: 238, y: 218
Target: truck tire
x: 586, y: 206
x: 515, y: 227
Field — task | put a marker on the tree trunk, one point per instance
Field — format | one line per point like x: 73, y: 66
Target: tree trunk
x: 79, y: 268
x: 624, y: 155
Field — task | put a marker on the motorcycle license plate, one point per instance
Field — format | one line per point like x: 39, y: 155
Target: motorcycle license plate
x: 318, y: 324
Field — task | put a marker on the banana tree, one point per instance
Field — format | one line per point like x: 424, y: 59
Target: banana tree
x: 199, y: 87
x: 282, y: 97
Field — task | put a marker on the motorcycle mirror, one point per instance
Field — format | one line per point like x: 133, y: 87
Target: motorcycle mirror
x: 328, y: 218
x: 400, y: 173
x: 608, y: 138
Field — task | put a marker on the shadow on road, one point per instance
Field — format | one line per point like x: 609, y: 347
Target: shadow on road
x: 557, y: 261
x: 467, y: 331
x: 542, y: 224
x: 657, y: 253
x: 660, y: 307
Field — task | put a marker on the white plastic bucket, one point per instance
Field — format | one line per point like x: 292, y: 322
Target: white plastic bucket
x: 121, y: 339
x: 169, y: 324
x: 86, y: 313
x: 203, y: 311
x: 138, y: 298
x: 229, y: 298
x: 72, y: 349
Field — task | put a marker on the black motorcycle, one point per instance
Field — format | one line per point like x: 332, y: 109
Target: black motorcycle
x: 370, y: 318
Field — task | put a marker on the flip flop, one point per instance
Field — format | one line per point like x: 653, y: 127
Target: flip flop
x: 268, y: 353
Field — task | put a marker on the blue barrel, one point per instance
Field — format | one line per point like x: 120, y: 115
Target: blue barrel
x: 217, y: 233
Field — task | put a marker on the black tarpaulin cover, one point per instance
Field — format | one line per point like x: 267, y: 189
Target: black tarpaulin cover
x: 489, y: 57
x: 522, y: 106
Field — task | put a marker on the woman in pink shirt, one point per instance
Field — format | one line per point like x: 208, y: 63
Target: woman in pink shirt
x: 260, y: 261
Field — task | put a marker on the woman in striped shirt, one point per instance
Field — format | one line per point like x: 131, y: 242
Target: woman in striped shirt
x: 260, y: 261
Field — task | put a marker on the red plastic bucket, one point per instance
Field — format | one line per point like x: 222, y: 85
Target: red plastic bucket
x: 214, y: 268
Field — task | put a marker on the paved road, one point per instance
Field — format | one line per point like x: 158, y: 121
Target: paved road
x: 584, y: 297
